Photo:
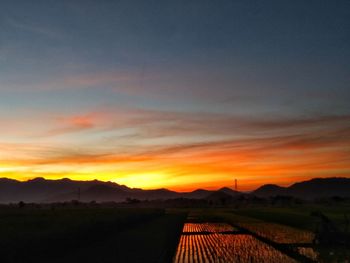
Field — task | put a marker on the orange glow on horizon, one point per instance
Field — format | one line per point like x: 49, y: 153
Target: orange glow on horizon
x: 160, y: 162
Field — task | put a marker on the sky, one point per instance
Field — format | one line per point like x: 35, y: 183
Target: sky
x: 175, y: 94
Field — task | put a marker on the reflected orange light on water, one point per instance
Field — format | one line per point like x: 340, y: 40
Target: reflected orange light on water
x: 226, y: 248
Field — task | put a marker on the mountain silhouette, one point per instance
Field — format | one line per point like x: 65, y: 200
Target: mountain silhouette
x: 229, y: 191
x: 311, y: 189
x: 43, y: 190
x: 269, y: 190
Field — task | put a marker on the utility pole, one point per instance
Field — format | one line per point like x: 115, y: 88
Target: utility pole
x: 236, y: 185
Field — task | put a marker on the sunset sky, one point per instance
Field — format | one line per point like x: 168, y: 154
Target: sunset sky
x: 175, y: 94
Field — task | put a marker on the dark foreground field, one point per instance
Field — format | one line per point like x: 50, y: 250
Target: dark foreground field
x: 89, y: 235
x: 102, y: 234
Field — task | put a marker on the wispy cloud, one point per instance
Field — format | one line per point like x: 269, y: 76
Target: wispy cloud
x: 326, y: 132
x: 74, y: 123
x: 187, y: 145
x: 152, y: 123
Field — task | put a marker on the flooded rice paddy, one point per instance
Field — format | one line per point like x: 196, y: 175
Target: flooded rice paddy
x: 279, y: 233
x: 308, y: 252
x: 247, y: 239
x: 220, y: 243
x: 207, y: 227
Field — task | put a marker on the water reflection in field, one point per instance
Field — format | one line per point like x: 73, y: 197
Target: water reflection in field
x: 279, y: 233
x: 207, y: 227
x: 226, y: 248
x: 309, y: 253
x: 217, y: 247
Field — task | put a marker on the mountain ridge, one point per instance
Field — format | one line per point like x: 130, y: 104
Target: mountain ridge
x: 309, y: 189
x: 47, y: 190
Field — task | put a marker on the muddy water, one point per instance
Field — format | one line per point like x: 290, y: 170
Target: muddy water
x: 216, y: 245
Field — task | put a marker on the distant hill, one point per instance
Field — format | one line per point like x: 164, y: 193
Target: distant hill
x: 269, y: 190
x: 43, y: 190
x: 229, y: 191
x: 314, y: 188
x: 197, y: 194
